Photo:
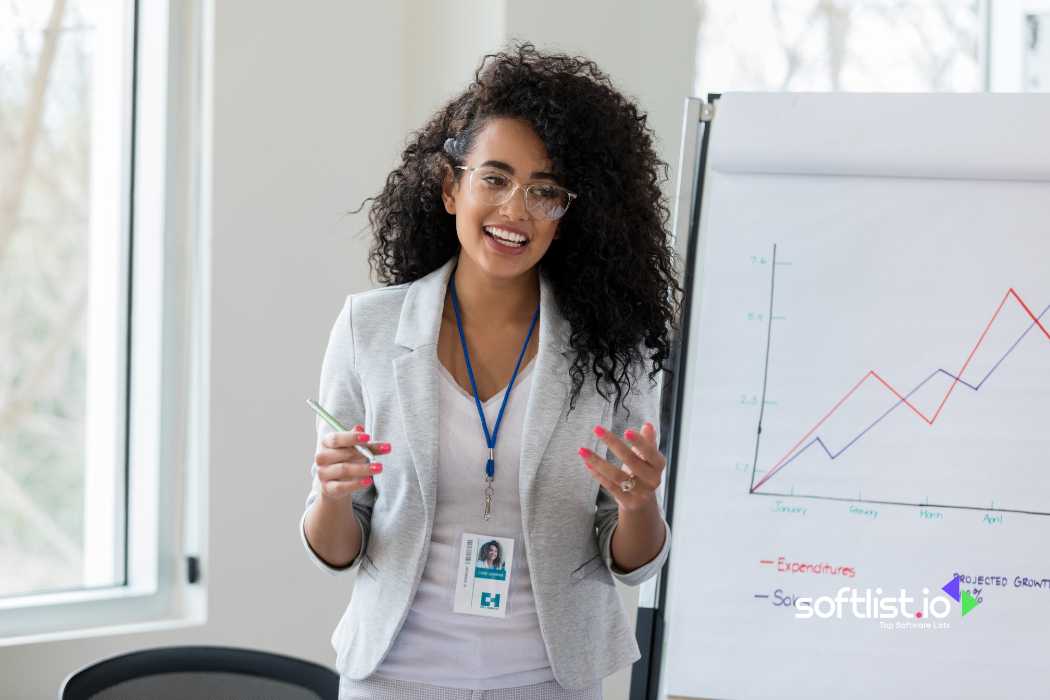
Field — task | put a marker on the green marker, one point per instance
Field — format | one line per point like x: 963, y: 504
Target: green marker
x: 336, y: 425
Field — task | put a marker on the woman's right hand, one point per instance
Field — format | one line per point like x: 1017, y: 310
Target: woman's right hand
x: 343, y: 470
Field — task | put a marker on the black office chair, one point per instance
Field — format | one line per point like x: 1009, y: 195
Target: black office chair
x: 201, y: 673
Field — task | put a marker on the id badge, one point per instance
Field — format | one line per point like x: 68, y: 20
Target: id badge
x: 483, y: 575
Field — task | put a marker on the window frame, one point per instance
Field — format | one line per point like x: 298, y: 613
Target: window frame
x: 163, y: 379
x: 1005, y: 37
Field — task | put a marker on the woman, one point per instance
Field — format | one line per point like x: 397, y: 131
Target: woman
x: 490, y: 556
x: 529, y: 277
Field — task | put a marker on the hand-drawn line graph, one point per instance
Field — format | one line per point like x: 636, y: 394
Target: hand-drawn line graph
x: 808, y: 440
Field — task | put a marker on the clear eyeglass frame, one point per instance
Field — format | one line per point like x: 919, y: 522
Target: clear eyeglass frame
x: 532, y: 203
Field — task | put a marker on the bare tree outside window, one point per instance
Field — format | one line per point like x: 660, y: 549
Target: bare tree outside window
x: 47, y: 59
x: 831, y: 45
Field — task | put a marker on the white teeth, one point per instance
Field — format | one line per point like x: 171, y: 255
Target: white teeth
x: 506, y: 236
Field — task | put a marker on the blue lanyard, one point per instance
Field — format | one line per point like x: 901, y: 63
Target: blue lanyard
x: 490, y: 440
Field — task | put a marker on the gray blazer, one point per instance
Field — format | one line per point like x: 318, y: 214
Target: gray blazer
x: 381, y: 369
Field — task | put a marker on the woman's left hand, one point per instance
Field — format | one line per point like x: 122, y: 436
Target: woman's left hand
x: 642, y: 461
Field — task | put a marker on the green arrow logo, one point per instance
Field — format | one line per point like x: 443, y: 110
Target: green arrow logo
x: 968, y: 603
x: 965, y: 598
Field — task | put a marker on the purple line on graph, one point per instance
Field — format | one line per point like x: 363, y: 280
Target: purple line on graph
x: 921, y: 384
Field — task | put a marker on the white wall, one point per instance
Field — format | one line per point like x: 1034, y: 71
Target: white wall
x: 312, y: 107
x: 444, y: 41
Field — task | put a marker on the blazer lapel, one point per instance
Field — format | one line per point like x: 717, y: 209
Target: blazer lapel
x: 416, y: 379
x: 549, y: 393
x: 416, y: 375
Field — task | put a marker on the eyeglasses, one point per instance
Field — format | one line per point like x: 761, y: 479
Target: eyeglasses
x: 495, y: 188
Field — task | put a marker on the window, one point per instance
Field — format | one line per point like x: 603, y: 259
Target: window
x: 853, y: 45
x: 93, y: 332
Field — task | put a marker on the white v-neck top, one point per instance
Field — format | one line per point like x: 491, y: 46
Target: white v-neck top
x: 436, y: 645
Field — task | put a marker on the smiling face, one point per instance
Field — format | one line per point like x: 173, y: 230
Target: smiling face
x: 513, y: 148
x: 491, y: 553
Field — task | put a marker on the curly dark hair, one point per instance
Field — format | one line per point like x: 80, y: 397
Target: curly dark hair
x: 612, y: 268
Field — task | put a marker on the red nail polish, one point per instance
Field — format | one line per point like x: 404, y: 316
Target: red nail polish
x: 629, y: 434
x: 376, y: 467
x: 599, y: 431
x: 384, y: 448
x: 367, y: 481
x: 584, y: 452
x: 363, y: 437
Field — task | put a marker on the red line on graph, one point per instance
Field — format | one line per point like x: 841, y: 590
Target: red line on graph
x: 1029, y: 312
x: 872, y: 373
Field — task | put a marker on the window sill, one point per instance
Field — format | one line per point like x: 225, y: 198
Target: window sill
x: 140, y: 615
x: 98, y: 613
x: 104, y: 631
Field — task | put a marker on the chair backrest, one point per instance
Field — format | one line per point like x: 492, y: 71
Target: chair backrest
x: 201, y: 672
